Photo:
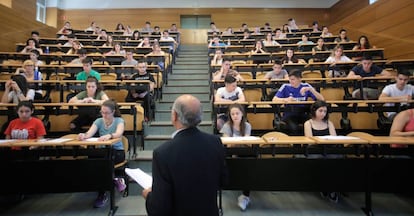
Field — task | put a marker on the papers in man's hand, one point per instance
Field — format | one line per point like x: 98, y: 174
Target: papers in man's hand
x: 244, y: 138
x: 140, y: 177
x: 337, y: 137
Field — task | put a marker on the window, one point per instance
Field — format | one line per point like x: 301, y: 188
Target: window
x: 41, y: 11
x: 372, y: 1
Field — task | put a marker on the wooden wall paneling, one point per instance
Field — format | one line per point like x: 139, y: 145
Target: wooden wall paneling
x: 388, y: 24
x: 223, y: 17
x: 16, y: 28
x: 345, y: 8
x: 27, y: 8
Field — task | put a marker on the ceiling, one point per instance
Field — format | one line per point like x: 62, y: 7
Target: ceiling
x: 104, y: 4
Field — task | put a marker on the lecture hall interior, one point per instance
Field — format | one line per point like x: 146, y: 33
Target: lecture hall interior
x: 286, y: 169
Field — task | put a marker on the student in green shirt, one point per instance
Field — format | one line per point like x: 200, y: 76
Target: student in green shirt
x: 87, y: 70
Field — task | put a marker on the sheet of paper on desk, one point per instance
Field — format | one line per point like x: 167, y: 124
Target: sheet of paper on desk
x: 5, y: 141
x: 58, y: 140
x: 140, y: 177
x: 337, y: 137
x: 240, y: 138
x: 92, y: 139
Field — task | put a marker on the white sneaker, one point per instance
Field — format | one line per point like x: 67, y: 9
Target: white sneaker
x: 243, y: 202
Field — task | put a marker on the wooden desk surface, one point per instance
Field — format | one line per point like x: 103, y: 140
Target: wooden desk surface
x: 37, y: 142
x: 390, y: 140
x: 8, y: 143
x: 91, y: 143
x: 289, y: 140
x: 338, y: 140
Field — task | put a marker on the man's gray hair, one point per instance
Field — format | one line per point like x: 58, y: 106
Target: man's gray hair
x: 189, y: 116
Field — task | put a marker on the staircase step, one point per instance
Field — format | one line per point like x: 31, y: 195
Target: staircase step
x: 170, y: 97
x: 186, y: 72
x: 188, y: 82
x: 167, y: 105
x: 188, y: 90
x: 190, y: 67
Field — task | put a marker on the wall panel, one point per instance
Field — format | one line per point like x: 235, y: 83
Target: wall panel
x: 165, y: 17
x: 16, y: 28
x: 387, y: 24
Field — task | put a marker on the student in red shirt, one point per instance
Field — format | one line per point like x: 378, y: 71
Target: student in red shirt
x: 26, y: 126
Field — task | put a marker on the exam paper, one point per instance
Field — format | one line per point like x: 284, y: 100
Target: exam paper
x: 140, y: 177
x: 247, y: 138
x: 337, y: 137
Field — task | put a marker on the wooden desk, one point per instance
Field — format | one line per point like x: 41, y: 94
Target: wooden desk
x: 31, y: 175
x: 356, y: 174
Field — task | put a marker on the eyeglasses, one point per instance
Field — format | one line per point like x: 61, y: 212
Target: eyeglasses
x: 105, y: 113
x: 30, y: 65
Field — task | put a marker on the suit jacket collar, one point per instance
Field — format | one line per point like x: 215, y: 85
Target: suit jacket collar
x: 185, y: 131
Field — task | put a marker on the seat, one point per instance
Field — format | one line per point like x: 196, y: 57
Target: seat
x: 311, y: 74
x: 58, y: 76
x: 108, y: 76
x: 5, y: 76
x: 119, y: 168
x: 276, y: 135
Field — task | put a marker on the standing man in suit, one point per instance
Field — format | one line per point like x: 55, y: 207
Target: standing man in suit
x: 189, y: 169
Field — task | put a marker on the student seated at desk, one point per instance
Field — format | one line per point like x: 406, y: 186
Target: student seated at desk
x: 342, y: 38
x: 156, y: 51
x: 217, y: 58
x: 109, y: 41
x: 225, y: 70
x: 116, y: 50
x: 320, y: 46
x: 237, y: 126
x: 403, y: 124
x: 259, y: 49
x: 269, y: 41
x: 87, y: 70
x: 109, y: 126
x: 337, y: 56
x: 290, y: 57
x: 31, y: 44
x: 366, y: 69
x: 230, y: 92
x: 363, y: 44
x: 399, y: 90
x: 76, y: 46
x: 277, y: 73
x: 25, y: 126
x: 145, y: 42
x: 296, y: 91
x: 34, y: 56
x: 16, y: 90
x: 140, y: 91
x: 29, y: 72
x: 82, y: 53
x: 92, y: 94
x: 320, y: 125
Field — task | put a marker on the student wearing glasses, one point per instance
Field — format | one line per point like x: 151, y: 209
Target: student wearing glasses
x: 109, y: 126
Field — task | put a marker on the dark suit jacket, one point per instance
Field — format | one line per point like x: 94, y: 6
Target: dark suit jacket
x: 187, y: 173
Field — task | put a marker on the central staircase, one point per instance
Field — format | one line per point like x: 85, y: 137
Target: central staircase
x: 189, y: 76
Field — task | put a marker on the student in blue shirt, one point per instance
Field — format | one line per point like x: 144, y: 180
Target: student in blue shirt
x: 296, y: 90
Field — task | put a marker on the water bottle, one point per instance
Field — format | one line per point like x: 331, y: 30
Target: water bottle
x: 47, y: 50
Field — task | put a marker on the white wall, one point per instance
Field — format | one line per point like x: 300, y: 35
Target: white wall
x: 104, y: 4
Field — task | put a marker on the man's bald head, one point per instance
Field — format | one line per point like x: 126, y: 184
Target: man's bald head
x: 188, y: 109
